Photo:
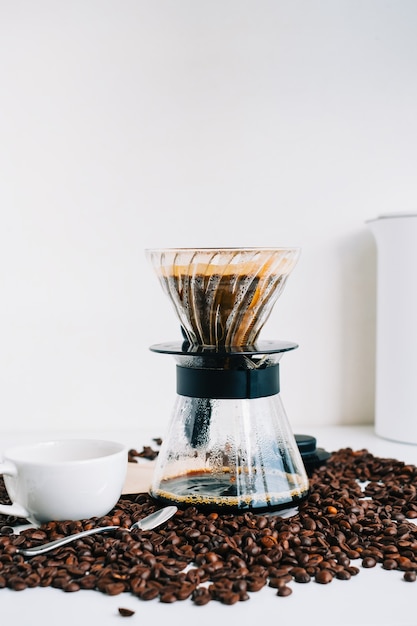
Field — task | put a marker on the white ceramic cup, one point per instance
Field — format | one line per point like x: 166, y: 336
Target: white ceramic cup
x: 68, y: 479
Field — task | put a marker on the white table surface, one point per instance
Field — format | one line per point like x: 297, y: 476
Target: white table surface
x: 374, y: 597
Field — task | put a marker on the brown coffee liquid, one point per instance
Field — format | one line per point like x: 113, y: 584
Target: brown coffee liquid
x: 213, y: 492
x: 222, y: 309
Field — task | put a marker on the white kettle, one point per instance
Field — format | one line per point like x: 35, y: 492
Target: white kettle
x: 396, y: 327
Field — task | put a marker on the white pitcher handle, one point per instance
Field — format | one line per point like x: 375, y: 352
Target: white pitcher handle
x: 6, y: 467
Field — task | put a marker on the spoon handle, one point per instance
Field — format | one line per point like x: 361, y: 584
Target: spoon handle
x: 63, y: 540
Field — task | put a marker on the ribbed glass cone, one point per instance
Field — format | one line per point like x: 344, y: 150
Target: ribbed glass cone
x: 223, y: 296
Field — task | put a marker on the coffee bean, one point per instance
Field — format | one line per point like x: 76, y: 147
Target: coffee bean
x: 167, y: 597
x: 33, y: 580
x: 410, y: 576
x: 284, y: 591
x: 150, y: 593
x: 185, y: 591
x: 71, y: 587
x: 229, y: 597
x: 309, y: 523
x: 17, y: 584
x: 300, y: 575
x: 87, y: 582
x: 256, y: 583
x: 126, y: 612
x: 113, y: 589
x: 314, y: 560
x: 324, y: 577
x: 201, y: 596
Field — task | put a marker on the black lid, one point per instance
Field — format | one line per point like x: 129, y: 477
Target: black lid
x: 311, y: 455
x: 306, y: 443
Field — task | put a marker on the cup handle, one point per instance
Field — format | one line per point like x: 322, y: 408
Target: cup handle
x: 15, y: 509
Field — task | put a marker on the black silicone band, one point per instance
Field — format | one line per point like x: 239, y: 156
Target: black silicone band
x: 228, y: 384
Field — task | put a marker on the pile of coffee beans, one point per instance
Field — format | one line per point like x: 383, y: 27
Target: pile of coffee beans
x: 358, y: 514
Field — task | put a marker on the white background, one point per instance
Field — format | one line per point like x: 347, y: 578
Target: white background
x: 128, y: 124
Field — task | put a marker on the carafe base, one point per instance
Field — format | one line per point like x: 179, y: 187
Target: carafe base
x: 210, y: 492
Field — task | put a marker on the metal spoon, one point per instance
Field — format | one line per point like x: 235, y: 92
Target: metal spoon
x: 147, y: 523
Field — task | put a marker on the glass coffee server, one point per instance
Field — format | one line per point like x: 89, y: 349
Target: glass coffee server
x: 229, y: 445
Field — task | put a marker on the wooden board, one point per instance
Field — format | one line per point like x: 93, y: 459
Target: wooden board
x: 138, y: 478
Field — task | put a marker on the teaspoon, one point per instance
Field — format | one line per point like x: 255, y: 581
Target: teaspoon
x: 147, y: 523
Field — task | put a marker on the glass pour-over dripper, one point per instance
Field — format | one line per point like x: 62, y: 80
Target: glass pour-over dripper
x: 229, y: 445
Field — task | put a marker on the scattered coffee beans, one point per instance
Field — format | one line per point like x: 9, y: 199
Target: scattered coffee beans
x: 147, y: 452
x: 357, y: 513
